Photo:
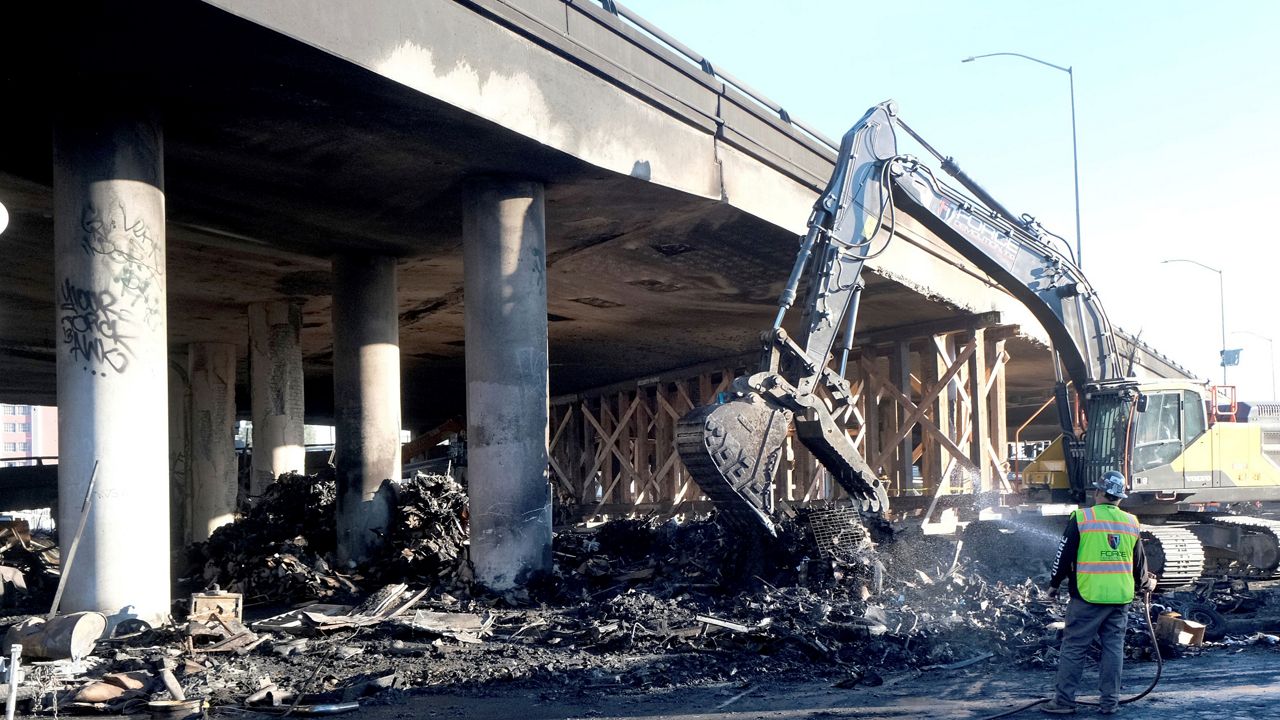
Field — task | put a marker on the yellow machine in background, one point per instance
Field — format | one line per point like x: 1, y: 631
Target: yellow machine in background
x: 1187, y: 464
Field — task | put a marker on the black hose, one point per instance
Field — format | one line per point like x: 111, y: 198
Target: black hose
x: 1155, y: 646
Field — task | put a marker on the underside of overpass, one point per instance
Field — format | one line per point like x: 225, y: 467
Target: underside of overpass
x: 278, y: 155
x: 292, y: 166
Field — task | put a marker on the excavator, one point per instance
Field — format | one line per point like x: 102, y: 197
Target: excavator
x: 1172, y: 439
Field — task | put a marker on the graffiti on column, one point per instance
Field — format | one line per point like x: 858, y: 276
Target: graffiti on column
x: 93, y: 328
x: 137, y: 258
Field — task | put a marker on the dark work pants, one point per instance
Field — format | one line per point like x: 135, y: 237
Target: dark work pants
x: 1086, y: 621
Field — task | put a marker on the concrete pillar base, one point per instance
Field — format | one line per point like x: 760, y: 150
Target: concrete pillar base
x: 214, y: 477
x: 366, y: 391
x: 507, y: 399
x: 276, y: 392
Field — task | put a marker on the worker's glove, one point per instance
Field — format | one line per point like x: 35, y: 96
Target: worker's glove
x: 1149, y: 583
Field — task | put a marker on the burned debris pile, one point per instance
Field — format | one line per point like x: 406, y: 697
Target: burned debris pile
x: 913, y: 605
x: 28, y: 565
x: 630, y: 604
x: 282, y: 549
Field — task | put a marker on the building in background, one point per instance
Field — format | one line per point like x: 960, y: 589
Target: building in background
x: 27, y: 431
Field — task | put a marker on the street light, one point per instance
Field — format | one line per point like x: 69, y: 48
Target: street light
x: 1075, y: 155
x: 1271, y: 354
x: 1222, y: 308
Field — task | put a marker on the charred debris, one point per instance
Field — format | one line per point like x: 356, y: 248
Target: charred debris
x: 269, y: 621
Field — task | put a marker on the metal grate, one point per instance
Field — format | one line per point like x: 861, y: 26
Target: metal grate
x: 838, y: 533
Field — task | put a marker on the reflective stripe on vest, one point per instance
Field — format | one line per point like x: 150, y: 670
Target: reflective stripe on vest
x: 1104, y: 563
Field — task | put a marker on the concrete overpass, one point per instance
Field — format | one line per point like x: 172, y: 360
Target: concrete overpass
x: 311, y: 176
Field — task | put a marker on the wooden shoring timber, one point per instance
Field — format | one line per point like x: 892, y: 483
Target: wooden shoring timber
x: 637, y: 447
x: 871, y: 393
x: 631, y: 435
x: 932, y: 368
x: 988, y: 408
x: 628, y: 408
x: 609, y: 431
x: 979, y: 410
x: 854, y: 412
x: 592, y: 483
x: 565, y: 451
x: 917, y: 412
x: 663, y: 443
x: 672, y: 402
x: 925, y: 423
x: 557, y: 458
x: 647, y: 447
x: 617, y: 449
x: 998, y: 403
x: 900, y: 374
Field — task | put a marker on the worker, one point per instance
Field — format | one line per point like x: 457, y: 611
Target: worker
x: 1101, y: 551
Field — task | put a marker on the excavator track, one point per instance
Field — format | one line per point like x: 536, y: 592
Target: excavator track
x: 733, y: 450
x: 1259, y: 550
x: 1174, y: 554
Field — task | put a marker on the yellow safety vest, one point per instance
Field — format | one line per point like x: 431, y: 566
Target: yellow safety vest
x: 1104, y: 563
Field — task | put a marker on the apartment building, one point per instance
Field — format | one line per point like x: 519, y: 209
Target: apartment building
x: 27, y: 431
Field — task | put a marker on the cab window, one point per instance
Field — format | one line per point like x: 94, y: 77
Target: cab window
x: 1157, y: 437
x: 1193, y: 415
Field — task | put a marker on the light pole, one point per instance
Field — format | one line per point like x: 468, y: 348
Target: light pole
x: 1222, y: 309
x: 1075, y: 155
x: 1271, y: 356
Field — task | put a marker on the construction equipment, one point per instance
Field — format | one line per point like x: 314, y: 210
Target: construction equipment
x: 1174, y: 440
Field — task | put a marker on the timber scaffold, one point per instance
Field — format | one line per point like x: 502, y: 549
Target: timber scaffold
x: 929, y: 415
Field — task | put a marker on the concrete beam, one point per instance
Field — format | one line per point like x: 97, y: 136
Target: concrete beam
x: 276, y: 392
x: 112, y: 362
x: 504, y: 247
x: 366, y: 389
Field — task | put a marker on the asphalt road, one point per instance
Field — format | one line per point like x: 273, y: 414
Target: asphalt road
x: 1224, y: 683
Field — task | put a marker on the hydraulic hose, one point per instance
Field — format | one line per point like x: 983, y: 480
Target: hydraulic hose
x: 1155, y: 646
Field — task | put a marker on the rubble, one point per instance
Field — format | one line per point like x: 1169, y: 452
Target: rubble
x: 631, y: 604
x: 282, y: 549
x: 28, y: 566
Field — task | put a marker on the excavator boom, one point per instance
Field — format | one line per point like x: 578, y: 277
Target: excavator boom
x: 733, y: 449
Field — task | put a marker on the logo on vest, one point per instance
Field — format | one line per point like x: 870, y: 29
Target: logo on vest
x: 1113, y: 541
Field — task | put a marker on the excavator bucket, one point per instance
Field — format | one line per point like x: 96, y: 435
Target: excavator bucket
x: 733, y: 451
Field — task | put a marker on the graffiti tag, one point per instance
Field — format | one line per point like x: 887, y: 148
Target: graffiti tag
x: 128, y: 244
x: 93, y: 328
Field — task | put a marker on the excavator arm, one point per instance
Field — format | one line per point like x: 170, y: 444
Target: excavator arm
x: 1014, y: 251
x: 734, y: 449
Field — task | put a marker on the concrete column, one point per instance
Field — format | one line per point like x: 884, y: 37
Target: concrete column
x: 366, y: 396
x: 211, y: 368
x: 504, y: 256
x: 110, y: 295
x: 275, y: 391
x: 179, y: 460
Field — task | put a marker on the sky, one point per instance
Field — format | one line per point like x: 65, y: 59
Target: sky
x: 1177, y: 110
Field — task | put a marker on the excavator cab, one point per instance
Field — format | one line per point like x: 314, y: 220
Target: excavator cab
x: 1167, y: 421
x: 1140, y: 430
